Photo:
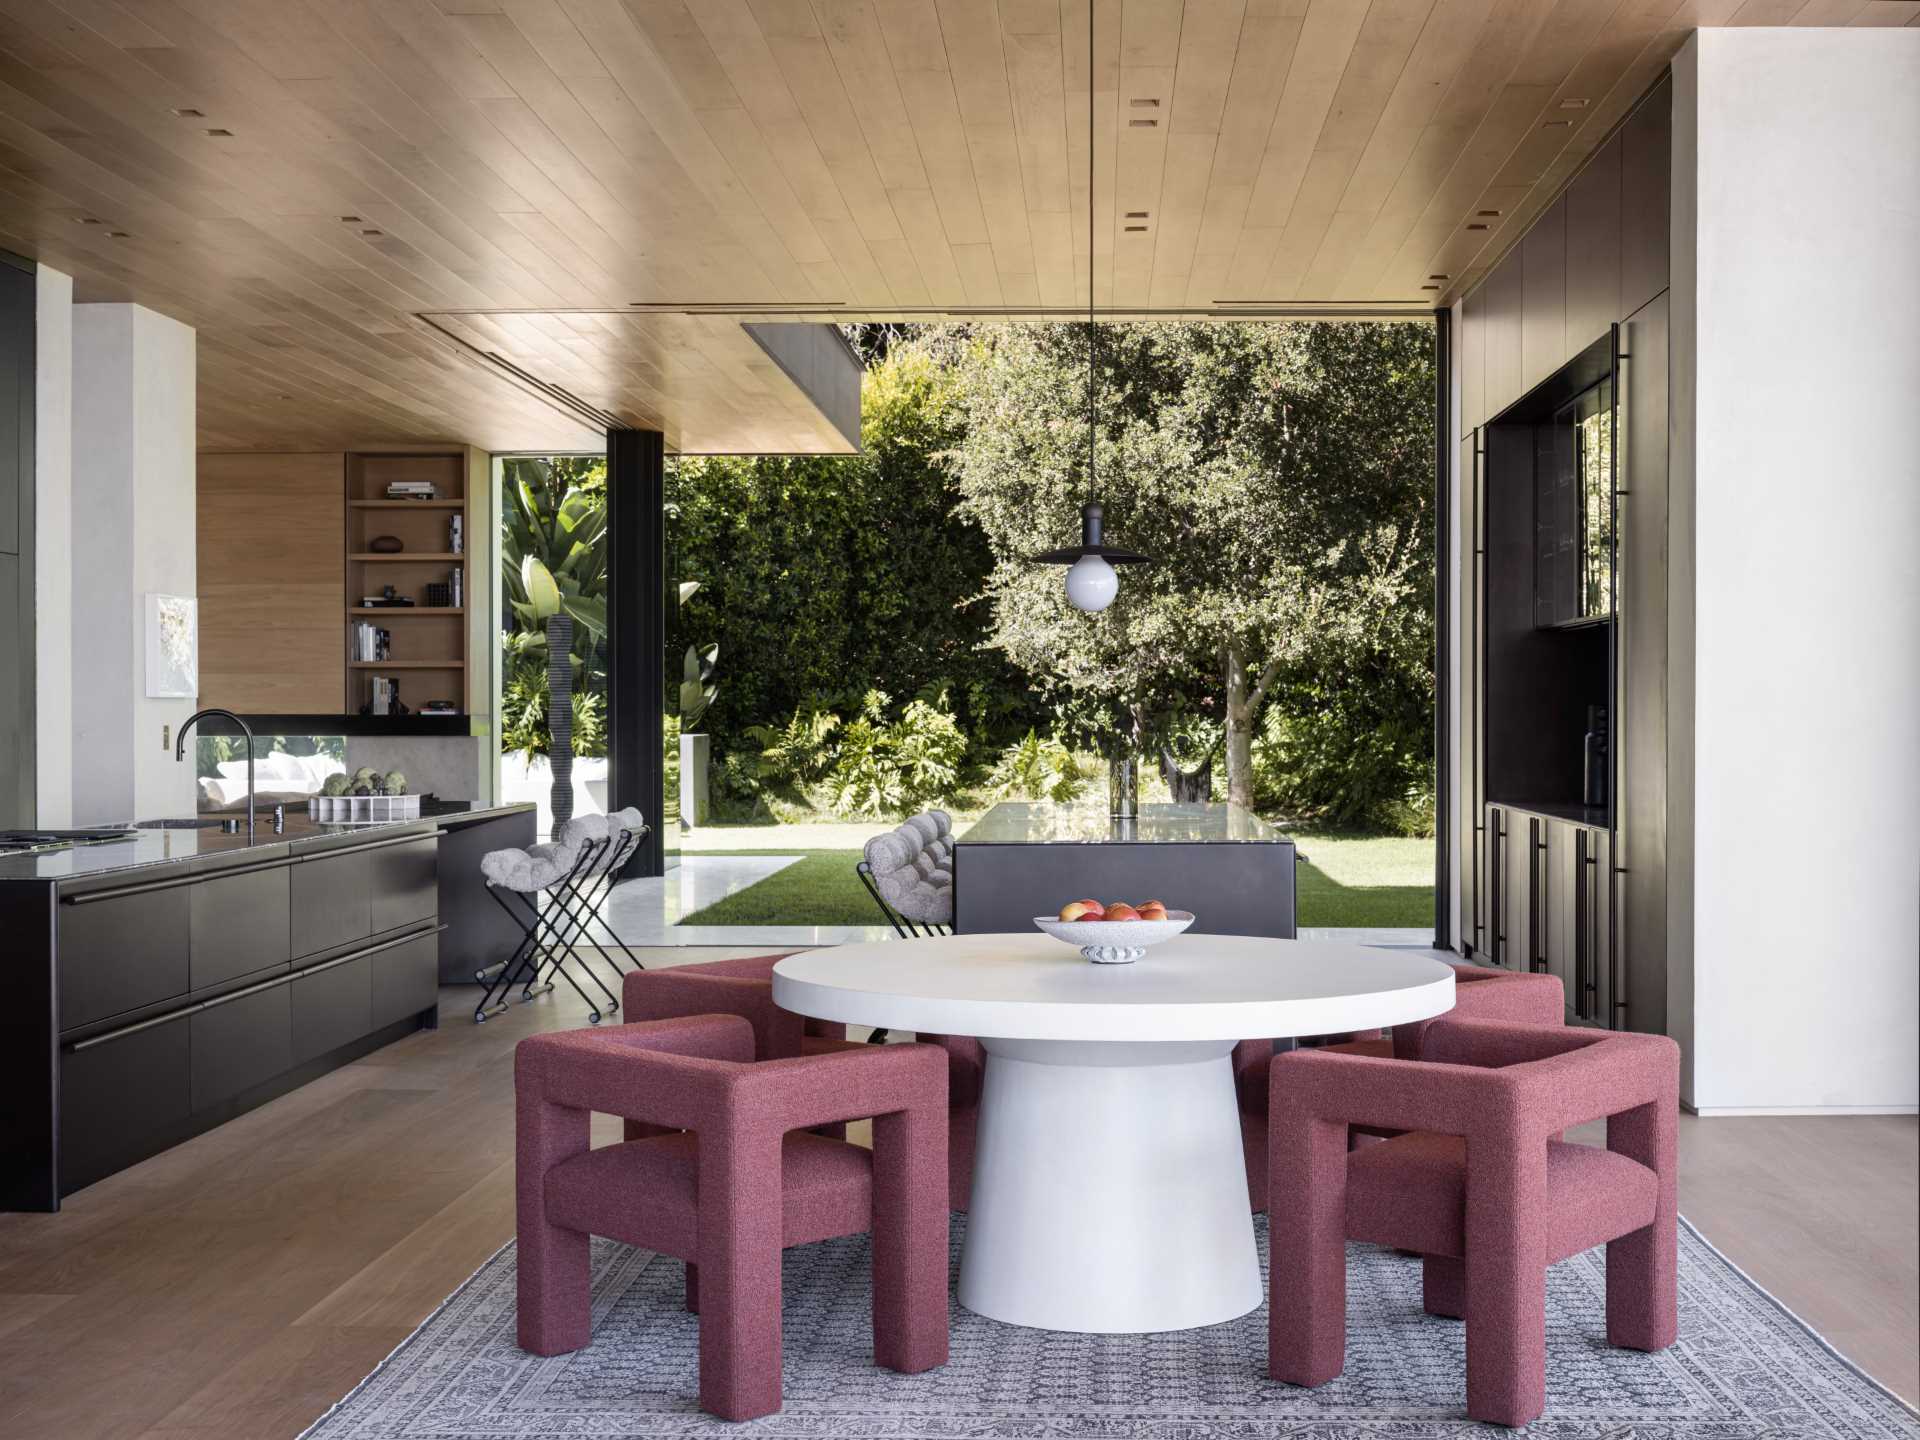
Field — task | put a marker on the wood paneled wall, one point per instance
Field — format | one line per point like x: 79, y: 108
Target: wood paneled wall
x: 272, y: 581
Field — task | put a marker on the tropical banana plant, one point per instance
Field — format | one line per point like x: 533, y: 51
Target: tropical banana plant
x: 553, y: 557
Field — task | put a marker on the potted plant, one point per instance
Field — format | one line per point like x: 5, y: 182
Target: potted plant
x: 697, y: 690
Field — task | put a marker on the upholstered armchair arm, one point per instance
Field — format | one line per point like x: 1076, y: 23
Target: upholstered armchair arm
x: 673, y: 1073
x: 1389, y: 1094
x: 666, y: 994
x: 1483, y: 994
x: 856, y: 1083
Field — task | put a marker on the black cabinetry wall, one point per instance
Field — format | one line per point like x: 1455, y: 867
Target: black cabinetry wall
x: 17, y: 757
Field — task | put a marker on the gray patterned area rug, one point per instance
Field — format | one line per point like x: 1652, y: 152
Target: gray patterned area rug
x: 1744, y: 1367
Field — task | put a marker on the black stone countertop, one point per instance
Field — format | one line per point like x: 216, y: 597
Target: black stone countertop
x: 144, y: 848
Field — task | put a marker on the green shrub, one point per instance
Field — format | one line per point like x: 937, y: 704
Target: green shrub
x: 523, y: 713
x: 1035, y: 769
x: 799, y: 752
x: 885, y: 768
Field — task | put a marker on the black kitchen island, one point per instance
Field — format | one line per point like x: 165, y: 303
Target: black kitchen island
x: 171, y: 979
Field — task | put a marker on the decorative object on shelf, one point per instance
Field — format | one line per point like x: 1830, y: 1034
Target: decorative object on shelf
x: 440, y: 594
x: 173, y: 646
x: 385, y: 545
x: 439, y: 707
x: 457, y: 534
x: 1593, y: 782
x: 1091, y: 583
x: 457, y: 585
x: 1123, y: 787
x: 371, y: 642
x: 388, y: 598
x: 1115, y: 942
x: 411, y: 490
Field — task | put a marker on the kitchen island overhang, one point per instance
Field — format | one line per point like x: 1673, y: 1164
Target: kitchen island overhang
x: 1233, y: 870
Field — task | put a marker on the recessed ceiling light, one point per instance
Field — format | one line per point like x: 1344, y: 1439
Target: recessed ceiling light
x: 219, y: 132
x: 349, y: 219
x: 1142, y: 124
x: 1136, y: 214
x: 89, y: 220
x: 1487, y: 214
x: 1144, y: 104
x: 1133, y: 229
x: 1429, y: 287
x: 187, y: 112
x: 1476, y: 226
x: 1437, y: 277
x: 1555, y: 124
x: 1573, y: 104
x: 370, y: 232
x: 117, y: 235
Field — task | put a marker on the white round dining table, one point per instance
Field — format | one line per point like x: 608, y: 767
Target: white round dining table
x: 1109, y: 1183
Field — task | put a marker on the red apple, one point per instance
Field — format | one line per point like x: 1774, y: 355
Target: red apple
x: 1076, y: 910
x: 1092, y: 909
x: 1120, y: 910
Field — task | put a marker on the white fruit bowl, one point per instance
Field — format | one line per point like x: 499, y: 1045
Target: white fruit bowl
x: 1115, y: 942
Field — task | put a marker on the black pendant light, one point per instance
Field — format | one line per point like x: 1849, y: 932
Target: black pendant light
x: 1091, y: 583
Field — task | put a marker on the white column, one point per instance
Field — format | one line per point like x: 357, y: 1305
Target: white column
x: 53, y: 548
x: 133, y: 521
x: 1797, y: 467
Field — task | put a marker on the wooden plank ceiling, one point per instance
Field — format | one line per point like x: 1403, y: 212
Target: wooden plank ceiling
x: 304, y: 180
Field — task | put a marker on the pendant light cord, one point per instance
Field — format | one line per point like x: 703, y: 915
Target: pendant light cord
x: 1093, y: 459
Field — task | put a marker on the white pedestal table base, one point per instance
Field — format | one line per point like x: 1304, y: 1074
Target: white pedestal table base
x: 1109, y: 1189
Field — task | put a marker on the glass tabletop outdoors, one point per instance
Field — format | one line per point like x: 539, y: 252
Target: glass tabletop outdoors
x: 1030, y: 823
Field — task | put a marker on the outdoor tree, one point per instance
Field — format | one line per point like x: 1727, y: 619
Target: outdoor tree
x: 1279, y: 474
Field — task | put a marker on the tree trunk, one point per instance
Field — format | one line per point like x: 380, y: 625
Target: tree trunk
x: 1189, y: 787
x: 1240, y: 705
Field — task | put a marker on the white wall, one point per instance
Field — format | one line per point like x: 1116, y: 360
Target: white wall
x: 133, y: 509
x: 1802, y: 301
x: 53, y: 548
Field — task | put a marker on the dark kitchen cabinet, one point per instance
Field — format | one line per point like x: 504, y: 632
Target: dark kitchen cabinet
x: 239, y: 1043
x: 1472, y: 797
x: 1509, y: 886
x: 1645, y: 159
x: 122, y: 1096
x: 1593, y: 248
x: 1640, y: 679
x: 405, y: 884
x: 1472, y: 360
x: 332, y: 900
x: 1504, y: 298
x: 239, y: 924
x: 332, y: 1006
x: 406, y: 980
x: 1543, y: 307
x: 122, y: 951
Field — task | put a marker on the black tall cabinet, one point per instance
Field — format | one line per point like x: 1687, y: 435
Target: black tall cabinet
x: 1564, y: 575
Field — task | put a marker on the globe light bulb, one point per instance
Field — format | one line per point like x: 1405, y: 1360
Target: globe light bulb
x: 1091, y: 584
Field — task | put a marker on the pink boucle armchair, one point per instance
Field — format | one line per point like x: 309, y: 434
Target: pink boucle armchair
x: 1481, y: 1187
x: 745, y: 987
x: 724, y: 1177
x: 1479, y: 993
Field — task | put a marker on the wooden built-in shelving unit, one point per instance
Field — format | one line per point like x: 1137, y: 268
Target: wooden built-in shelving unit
x: 429, y: 642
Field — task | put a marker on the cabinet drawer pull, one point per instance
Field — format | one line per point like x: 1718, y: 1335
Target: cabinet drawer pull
x: 329, y: 854
x: 74, y: 1047
x: 198, y: 877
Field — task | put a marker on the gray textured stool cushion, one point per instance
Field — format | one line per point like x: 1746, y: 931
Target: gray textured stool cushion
x: 534, y: 868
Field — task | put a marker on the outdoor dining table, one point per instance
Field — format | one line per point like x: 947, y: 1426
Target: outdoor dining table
x: 1109, y: 1184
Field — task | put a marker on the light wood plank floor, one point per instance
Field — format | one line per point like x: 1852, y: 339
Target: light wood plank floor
x: 239, y: 1284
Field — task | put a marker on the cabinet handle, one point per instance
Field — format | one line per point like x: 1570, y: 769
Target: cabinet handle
x: 328, y: 854
x: 1617, y: 727
x: 87, y: 897
x: 76, y: 1046
x: 1537, y: 892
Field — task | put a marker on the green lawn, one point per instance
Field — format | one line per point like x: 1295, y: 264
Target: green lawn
x: 1347, y: 880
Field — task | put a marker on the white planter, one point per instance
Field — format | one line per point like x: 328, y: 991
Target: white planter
x: 695, y: 752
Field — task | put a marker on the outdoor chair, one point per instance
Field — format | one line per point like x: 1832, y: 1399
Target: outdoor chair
x: 724, y: 1175
x: 1479, y: 1184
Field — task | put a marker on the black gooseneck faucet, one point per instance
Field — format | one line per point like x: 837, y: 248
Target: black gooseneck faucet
x: 180, y: 751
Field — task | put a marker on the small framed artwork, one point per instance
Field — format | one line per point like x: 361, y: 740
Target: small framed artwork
x: 173, y: 646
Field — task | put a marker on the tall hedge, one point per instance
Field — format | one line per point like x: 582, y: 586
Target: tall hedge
x: 825, y: 576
